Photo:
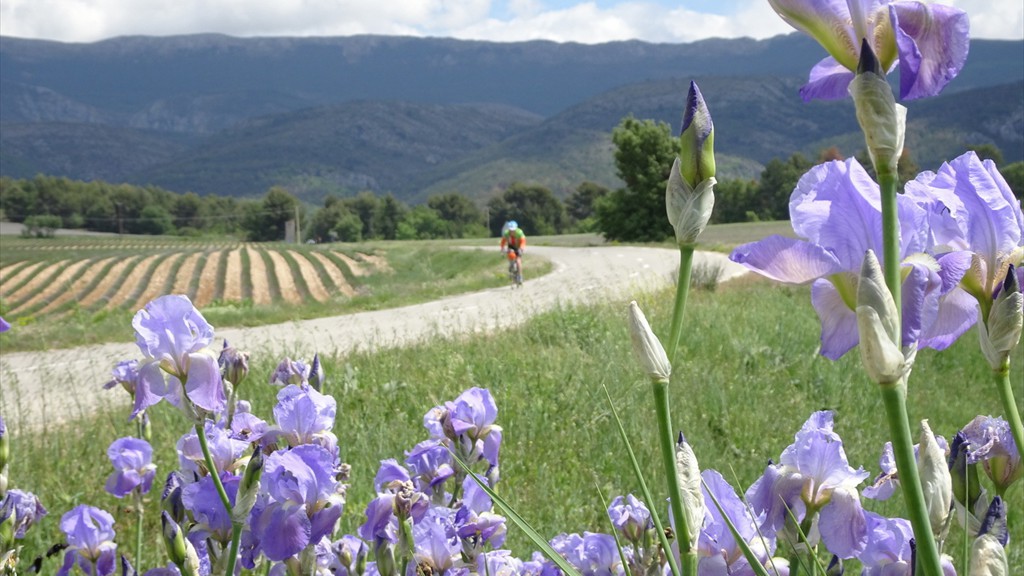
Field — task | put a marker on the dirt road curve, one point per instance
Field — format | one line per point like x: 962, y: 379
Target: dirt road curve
x: 40, y: 389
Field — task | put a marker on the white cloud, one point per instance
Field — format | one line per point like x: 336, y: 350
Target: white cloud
x: 585, y: 21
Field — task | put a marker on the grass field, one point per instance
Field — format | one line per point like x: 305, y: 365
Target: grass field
x: 67, y: 291
x: 751, y: 377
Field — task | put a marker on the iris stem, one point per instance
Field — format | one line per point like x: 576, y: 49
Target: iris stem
x: 688, y: 556
x: 1010, y: 406
x: 887, y: 182
x: 236, y: 528
x: 895, y: 399
x: 682, y: 291
x: 139, y: 509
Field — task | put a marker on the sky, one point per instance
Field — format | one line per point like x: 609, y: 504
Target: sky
x: 582, y: 21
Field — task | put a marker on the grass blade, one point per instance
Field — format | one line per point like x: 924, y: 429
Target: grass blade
x: 648, y: 499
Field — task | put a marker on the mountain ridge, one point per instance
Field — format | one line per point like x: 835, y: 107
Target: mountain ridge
x: 204, y: 112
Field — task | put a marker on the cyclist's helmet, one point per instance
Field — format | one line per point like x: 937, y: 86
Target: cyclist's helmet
x: 512, y: 225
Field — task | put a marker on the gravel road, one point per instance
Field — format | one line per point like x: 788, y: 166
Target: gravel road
x: 46, y: 388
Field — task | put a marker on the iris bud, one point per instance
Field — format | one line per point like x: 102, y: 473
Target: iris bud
x: 126, y: 567
x: 171, y: 500
x: 964, y: 476
x: 688, y: 475
x: 689, y: 195
x: 882, y: 120
x: 234, y: 365
x: 248, y: 488
x: 935, y: 480
x: 1000, y: 332
x: 316, y: 374
x: 647, y: 347
x: 179, y: 549
x: 835, y: 566
x: 878, y: 324
x: 697, y: 156
x: 988, y: 554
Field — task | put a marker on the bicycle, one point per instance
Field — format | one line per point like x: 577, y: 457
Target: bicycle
x: 515, y: 270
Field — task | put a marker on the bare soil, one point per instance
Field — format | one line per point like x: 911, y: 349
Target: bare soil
x: 233, y: 277
x: 285, y: 281
x: 337, y: 276
x: 311, y: 277
x: 258, y: 273
x: 208, y: 279
x: 55, y: 286
x: 155, y: 283
x: 107, y: 283
x: 131, y: 282
x: 185, y: 273
x: 77, y: 287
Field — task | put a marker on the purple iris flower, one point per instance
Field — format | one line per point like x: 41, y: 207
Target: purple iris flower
x: 468, y: 421
x: 836, y: 209
x: 717, y: 549
x: 972, y: 208
x: 246, y: 426
x: 435, y: 551
x: 173, y: 336
x: 305, y: 416
x: 303, y: 501
x: 630, y: 517
x: 225, y: 450
x: 90, y: 538
x: 592, y: 554
x: 930, y: 42
x: 290, y: 372
x: 813, y: 476
x: 133, y: 466
x: 991, y: 443
x: 25, y: 507
x: 474, y: 521
x: 4, y: 325
x: 202, y: 500
x: 430, y: 463
x: 349, y: 551
x: 888, y: 480
x: 499, y: 563
x: 888, y: 551
x: 380, y: 526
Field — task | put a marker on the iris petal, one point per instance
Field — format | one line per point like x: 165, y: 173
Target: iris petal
x: 933, y: 42
x: 843, y: 525
x: 838, y: 321
x: 787, y: 259
x: 828, y: 80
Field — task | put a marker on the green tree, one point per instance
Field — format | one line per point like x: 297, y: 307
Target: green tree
x: 580, y: 204
x: 458, y: 212
x: 533, y: 206
x: 1014, y: 175
x: 365, y: 206
x: 265, y: 221
x: 988, y: 152
x: 386, y: 217
x: 733, y: 201
x: 152, y: 219
x: 778, y: 179
x: 423, y: 223
x: 187, y: 210
x: 644, y: 152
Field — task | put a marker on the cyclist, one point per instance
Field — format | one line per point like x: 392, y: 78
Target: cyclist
x: 513, y: 243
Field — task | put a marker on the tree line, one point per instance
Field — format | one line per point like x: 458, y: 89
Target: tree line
x: 47, y: 202
x: 644, y: 152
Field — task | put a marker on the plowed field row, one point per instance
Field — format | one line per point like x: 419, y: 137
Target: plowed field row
x: 229, y: 273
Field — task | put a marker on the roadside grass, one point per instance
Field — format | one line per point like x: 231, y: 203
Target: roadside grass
x: 750, y: 377
x: 415, y: 273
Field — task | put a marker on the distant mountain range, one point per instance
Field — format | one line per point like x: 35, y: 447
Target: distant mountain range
x: 416, y: 116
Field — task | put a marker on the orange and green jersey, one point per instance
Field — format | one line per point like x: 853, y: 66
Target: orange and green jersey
x: 513, y: 239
